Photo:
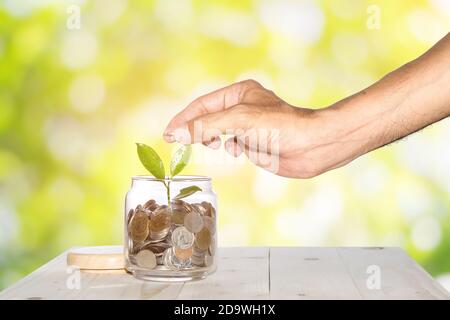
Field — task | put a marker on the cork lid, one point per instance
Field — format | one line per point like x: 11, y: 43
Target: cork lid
x: 97, y: 258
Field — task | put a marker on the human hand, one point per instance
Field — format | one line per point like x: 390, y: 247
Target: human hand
x: 274, y: 135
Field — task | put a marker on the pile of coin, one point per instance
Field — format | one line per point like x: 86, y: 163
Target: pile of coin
x: 179, y: 237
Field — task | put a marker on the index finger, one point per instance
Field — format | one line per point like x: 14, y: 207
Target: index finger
x: 212, y: 102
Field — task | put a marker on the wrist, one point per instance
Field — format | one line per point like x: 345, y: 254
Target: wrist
x: 348, y: 130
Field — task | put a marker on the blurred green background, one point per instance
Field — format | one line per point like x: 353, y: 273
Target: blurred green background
x: 74, y: 101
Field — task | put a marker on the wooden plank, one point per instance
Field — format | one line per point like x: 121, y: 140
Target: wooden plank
x: 248, y: 267
x: 121, y: 285
x: 21, y: 290
x: 50, y: 282
x: 400, y: 276
x: 309, y: 273
x: 251, y: 273
x: 243, y: 273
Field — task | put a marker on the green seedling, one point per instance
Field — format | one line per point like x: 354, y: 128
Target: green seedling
x: 153, y: 163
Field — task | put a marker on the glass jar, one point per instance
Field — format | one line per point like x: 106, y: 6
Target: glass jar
x: 170, y: 241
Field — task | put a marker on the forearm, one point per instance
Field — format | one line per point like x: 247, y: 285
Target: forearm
x: 406, y: 100
x: 310, y: 142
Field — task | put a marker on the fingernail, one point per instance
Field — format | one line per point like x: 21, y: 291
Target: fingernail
x: 169, y: 136
x: 182, y: 135
x: 214, y: 143
x: 233, y: 147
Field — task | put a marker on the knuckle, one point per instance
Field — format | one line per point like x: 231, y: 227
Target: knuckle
x: 250, y: 83
x: 247, y: 86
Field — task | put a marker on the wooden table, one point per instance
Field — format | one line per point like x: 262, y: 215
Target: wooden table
x: 254, y: 273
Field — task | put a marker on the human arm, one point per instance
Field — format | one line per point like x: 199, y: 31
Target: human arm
x: 312, y: 141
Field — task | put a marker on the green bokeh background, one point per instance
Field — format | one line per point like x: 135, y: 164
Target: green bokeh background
x: 73, y: 102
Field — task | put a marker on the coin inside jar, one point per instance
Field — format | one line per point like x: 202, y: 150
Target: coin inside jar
x: 159, y: 236
x: 130, y: 245
x: 150, y: 205
x: 193, y: 222
x: 198, y: 257
x: 209, y: 260
x: 160, y: 221
x: 142, y: 209
x: 167, y: 259
x: 209, y: 209
x: 178, y: 216
x: 155, y: 247
x: 212, y: 247
x: 129, y: 216
x: 183, y: 204
x: 183, y: 254
x: 199, y: 208
x: 182, y: 238
x: 159, y: 209
x: 145, y: 259
x: 209, y: 224
x: 138, y: 227
x: 203, y: 239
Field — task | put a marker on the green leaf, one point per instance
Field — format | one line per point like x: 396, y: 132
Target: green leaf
x: 186, y: 192
x: 151, y: 160
x: 180, y: 159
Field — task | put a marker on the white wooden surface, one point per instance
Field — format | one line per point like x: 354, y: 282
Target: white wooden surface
x: 252, y: 273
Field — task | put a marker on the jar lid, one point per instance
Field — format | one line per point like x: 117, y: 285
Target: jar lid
x: 97, y: 258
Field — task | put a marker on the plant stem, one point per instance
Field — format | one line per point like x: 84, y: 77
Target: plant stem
x: 168, y: 192
x: 167, y: 186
